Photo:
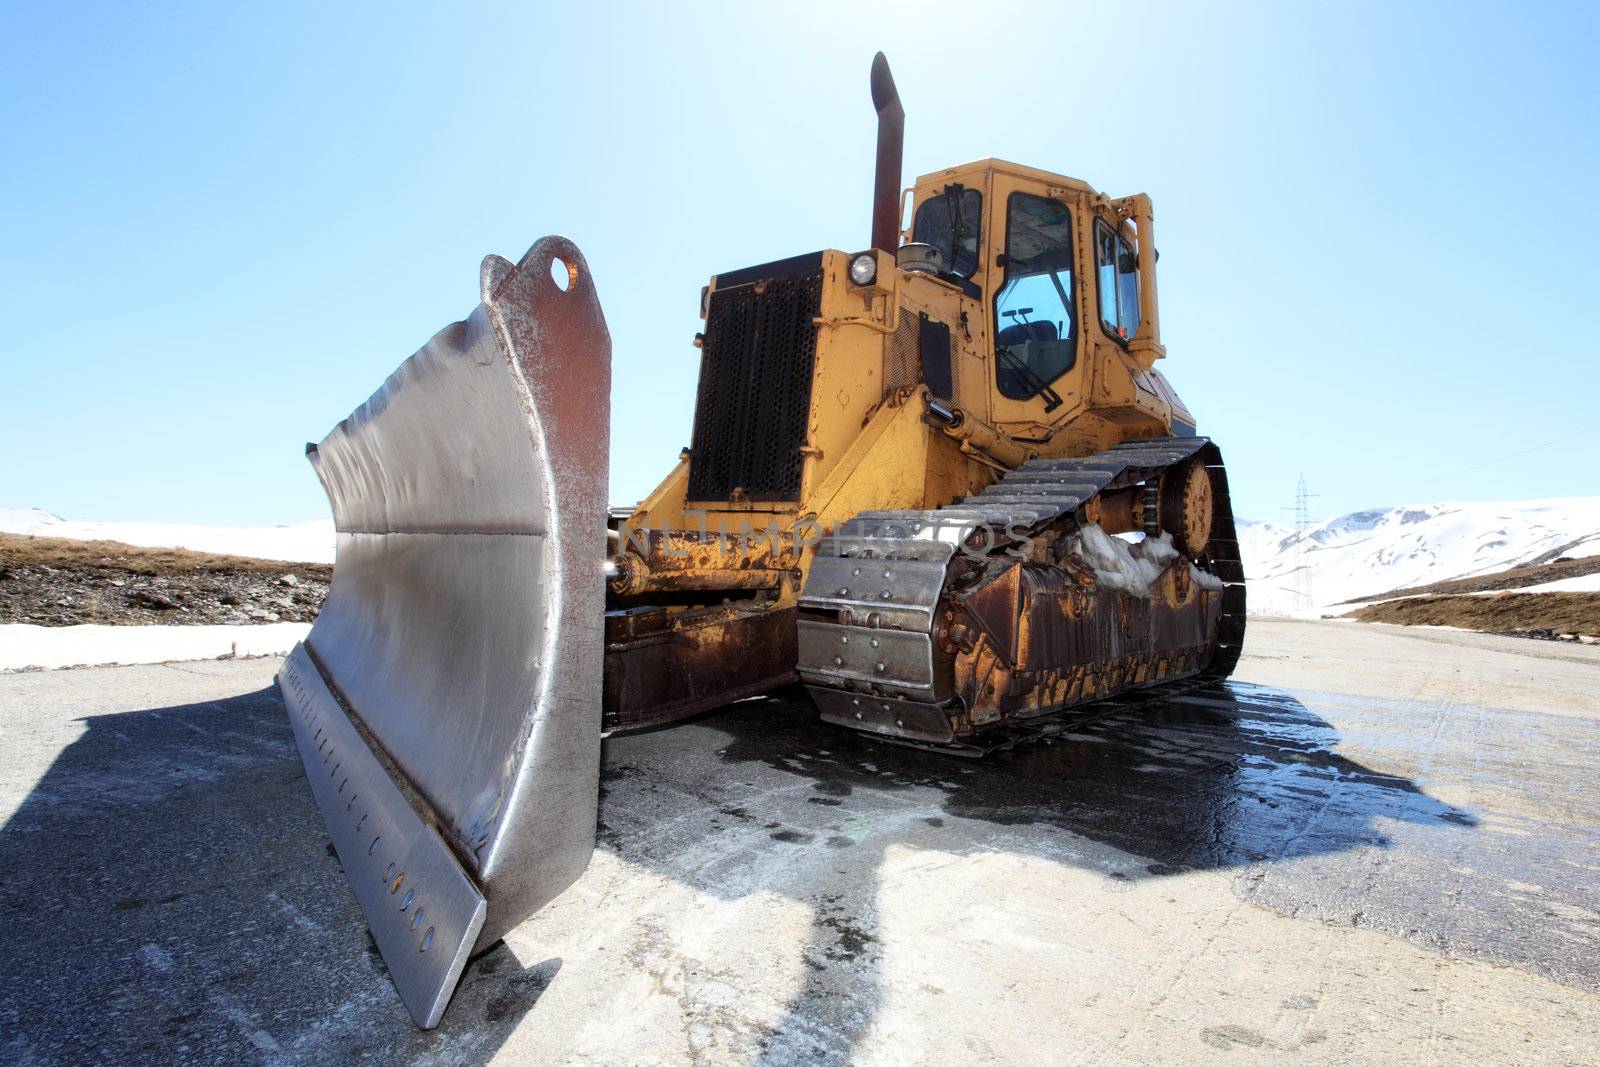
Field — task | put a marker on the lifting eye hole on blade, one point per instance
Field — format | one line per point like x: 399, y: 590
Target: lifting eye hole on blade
x: 564, y: 274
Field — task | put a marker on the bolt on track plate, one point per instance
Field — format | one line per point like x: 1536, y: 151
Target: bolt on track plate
x: 461, y: 645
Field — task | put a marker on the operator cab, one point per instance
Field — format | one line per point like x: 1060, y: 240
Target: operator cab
x: 1060, y: 276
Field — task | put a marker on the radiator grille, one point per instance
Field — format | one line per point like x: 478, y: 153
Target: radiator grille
x: 755, y: 389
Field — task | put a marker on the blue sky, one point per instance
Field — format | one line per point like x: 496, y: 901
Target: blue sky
x: 220, y: 228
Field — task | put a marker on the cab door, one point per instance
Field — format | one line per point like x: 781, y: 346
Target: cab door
x: 1036, y: 366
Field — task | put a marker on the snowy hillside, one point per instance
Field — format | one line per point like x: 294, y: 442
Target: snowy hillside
x: 1374, y: 551
x: 306, y: 542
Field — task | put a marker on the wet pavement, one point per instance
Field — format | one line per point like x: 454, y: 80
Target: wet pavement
x: 1237, y: 776
x: 1249, y: 871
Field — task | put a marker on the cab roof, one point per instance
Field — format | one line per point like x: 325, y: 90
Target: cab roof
x: 1004, y: 166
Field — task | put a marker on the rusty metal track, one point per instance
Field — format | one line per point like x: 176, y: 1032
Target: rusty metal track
x: 867, y: 648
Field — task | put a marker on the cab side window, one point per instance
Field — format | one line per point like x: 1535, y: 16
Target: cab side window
x: 1035, y: 329
x: 949, y: 222
x: 1117, y: 272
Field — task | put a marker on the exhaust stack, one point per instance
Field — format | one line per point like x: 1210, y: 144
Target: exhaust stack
x: 891, y: 143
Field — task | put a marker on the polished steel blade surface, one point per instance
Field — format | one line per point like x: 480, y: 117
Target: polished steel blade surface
x: 463, y: 631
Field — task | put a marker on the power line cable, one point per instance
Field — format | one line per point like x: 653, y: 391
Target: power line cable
x: 1514, y: 455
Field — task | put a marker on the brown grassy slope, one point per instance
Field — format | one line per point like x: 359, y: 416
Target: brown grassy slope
x: 1562, y: 613
x: 65, y: 554
x: 50, y: 581
x: 1515, y: 578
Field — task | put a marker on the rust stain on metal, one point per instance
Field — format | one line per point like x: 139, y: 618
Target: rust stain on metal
x: 663, y: 665
x: 1032, y: 639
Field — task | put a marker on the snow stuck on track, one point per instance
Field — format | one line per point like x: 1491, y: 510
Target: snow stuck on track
x: 1132, y: 566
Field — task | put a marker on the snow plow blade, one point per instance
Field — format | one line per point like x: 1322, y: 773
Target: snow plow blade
x: 447, y: 702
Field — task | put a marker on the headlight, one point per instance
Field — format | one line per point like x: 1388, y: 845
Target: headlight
x: 864, y: 269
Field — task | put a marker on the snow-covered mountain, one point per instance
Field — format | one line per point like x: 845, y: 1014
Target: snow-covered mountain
x: 1374, y: 551
x: 302, y: 542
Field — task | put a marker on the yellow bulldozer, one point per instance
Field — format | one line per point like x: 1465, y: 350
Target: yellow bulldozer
x: 939, y: 483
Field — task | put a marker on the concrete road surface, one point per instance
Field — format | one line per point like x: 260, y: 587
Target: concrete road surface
x: 1378, y: 845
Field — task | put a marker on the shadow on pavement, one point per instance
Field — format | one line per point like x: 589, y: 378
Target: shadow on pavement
x: 171, y: 893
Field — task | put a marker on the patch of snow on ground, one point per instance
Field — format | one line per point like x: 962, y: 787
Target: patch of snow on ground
x: 1584, y: 583
x: 23, y: 645
x: 301, y: 542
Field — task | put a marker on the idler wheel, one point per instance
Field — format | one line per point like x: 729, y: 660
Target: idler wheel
x: 1187, y: 507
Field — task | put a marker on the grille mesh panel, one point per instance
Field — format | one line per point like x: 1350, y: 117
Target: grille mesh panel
x: 755, y: 389
x: 902, y: 361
